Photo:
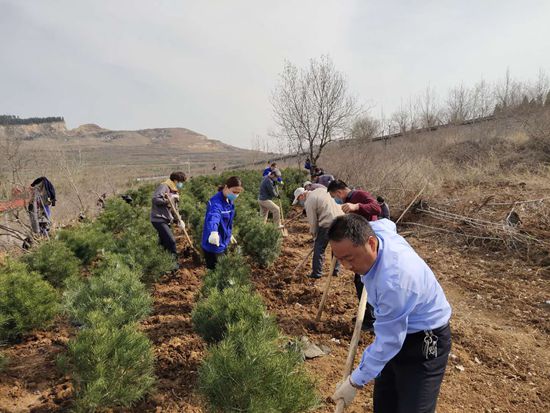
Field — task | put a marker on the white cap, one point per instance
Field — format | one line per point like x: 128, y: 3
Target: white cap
x: 297, y: 193
x: 306, y: 183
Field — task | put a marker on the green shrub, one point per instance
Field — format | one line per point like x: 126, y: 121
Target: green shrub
x: 26, y: 301
x: 141, y: 197
x: 54, y: 261
x: 144, y: 254
x: 87, y: 241
x: 231, y: 270
x: 262, y: 242
x: 118, y: 216
x: 248, y: 372
x: 213, y: 313
x: 114, y: 291
x: 111, y: 366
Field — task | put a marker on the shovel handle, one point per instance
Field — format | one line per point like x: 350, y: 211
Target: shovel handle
x: 178, y: 217
x: 353, y: 345
x: 327, y: 288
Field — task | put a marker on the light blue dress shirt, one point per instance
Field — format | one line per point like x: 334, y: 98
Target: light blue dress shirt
x: 406, y: 298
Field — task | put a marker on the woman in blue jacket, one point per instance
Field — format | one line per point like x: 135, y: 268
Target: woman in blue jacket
x: 218, y: 221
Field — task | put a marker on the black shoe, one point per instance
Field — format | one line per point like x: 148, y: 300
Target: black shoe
x: 335, y: 274
x: 314, y: 276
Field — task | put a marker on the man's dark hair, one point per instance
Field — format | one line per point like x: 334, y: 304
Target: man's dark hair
x: 178, y: 176
x: 336, y: 185
x: 274, y: 165
x: 351, y: 226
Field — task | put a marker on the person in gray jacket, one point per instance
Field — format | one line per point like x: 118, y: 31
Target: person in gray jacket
x: 161, y: 215
x: 268, y: 192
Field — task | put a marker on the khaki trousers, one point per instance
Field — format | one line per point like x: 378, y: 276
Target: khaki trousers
x: 269, y: 206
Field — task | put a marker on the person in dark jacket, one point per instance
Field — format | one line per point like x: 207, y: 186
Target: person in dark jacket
x: 361, y: 203
x: 161, y: 215
x: 384, y: 207
x: 268, y: 192
x: 218, y: 221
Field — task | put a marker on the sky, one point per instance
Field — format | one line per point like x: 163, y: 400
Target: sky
x: 211, y: 65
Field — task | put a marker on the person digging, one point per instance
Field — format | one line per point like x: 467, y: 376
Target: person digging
x: 320, y: 210
x: 412, y: 342
x: 268, y: 192
x: 161, y: 215
x: 218, y: 221
x: 356, y: 201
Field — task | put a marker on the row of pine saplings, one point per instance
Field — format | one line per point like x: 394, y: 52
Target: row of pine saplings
x: 96, y: 274
x: 250, y: 366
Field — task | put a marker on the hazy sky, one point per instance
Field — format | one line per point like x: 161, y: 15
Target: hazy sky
x: 211, y: 65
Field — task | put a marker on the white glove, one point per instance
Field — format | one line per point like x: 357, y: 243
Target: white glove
x: 345, y: 391
x: 181, y: 224
x: 175, y: 197
x: 233, y: 240
x: 214, y: 238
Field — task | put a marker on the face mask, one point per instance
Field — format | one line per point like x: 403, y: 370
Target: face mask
x: 338, y: 201
x: 232, y: 197
x: 179, y: 185
x: 302, y: 202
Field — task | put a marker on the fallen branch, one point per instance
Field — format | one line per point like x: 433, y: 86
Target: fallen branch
x: 412, y: 202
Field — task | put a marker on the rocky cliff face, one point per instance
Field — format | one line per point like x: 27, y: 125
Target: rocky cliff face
x: 33, y: 131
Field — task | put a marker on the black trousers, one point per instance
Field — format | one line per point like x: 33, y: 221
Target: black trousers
x: 211, y: 259
x: 166, y: 238
x: 410, y: 382
x: 369, y: 318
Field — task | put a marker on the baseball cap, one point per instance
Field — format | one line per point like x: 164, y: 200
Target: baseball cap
x: 297, y: 193
x: 306, y: 183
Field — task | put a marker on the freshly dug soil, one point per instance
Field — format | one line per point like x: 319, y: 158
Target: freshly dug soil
x: 499, y: 363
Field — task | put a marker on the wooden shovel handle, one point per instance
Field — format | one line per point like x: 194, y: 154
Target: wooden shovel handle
x: 327, y: 288
x: 178, y: 217
x: 353, y: 345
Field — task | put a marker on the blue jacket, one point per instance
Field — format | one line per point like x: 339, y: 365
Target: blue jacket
x: 267, y: 171
x: 406, y: 298
x: 219, y: 217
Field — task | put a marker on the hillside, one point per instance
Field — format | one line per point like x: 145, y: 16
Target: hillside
x: 90, y: 160
x: 99, y: 146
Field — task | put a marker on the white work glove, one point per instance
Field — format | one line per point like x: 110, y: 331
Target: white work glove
x: 175, y: 197
x: 345, y: 391
x: 181, y: 224
x: 214, y: 238
x: 233, y: 240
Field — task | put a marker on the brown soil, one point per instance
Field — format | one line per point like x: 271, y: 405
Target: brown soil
x: 499, y: 363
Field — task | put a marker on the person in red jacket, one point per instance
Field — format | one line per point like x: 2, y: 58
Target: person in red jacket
x: 357, y: 201
x: 354, y: 200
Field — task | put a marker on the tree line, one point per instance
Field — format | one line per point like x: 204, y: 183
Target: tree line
x: 16, y: 120
x: 313, y: 106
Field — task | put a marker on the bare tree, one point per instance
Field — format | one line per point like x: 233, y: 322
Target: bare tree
x: 366, y: 127
x: 12, y: 156
x: 428, y: 108
x: 539, y: 90
x: 401, y: 120
x: 458, y: 105
x: 508, y: 92
x: 312, y: 107
x: 482, y: 100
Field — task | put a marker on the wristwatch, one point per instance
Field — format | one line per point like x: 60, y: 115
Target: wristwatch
x: 355, y: 386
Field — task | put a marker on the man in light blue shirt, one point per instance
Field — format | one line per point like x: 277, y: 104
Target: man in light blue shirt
x: 408, y: 357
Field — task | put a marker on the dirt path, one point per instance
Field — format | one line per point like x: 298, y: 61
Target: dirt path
x: 500, y: 360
